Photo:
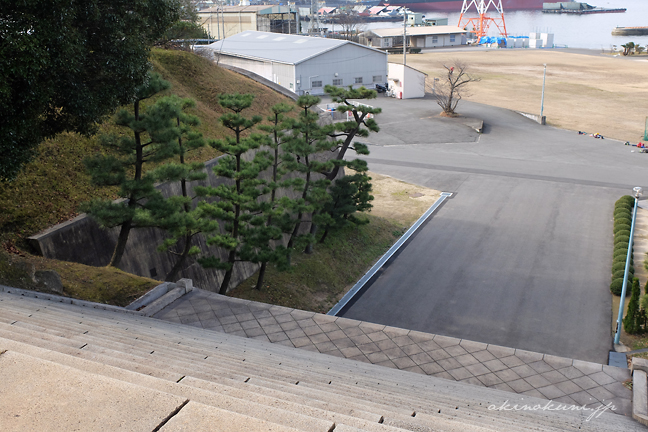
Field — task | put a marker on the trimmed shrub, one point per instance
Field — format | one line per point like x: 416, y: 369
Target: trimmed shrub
x: 621, y: 226
x: 623, y: 222
x: 627, y: 199
x: 623, y: 206
x: 622, y: 233
x: 620, y: 266
x: 621, y: 239
x: 623, y: 219
x: 622, y: 252
x: 622, y: 211
x: 619, y: 275
x: 616, y: 286
x: 622, y: 259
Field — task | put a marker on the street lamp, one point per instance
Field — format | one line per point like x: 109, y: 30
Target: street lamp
x: 544, y: 78
x: 637, y: 193
x: 434, y: 85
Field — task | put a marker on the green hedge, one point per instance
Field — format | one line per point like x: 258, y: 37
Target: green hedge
x: 619, y: 275
x: 617, y: 285
x: 621, y: 240
x: 620, y: 266
x: 623, y: 233
x: 621, y: 227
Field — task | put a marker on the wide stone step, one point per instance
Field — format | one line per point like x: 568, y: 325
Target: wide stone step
x: 390, y: 385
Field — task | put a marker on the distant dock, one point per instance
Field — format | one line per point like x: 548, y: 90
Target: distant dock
x: 630, y: 31
x: 583, y: 11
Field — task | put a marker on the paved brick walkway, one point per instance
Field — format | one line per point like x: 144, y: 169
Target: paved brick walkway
x: 541, y: 375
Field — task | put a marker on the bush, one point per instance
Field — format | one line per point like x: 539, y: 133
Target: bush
x: 616, y: 286
x: 622, y: 211
x: 619, y: 275
x: 623, y: 252
x: 623, y: 219
x: 620, y: 266
x: 622, y: 226
x: 632, y: 320
x: 622, y: 233
x: 625, y: 199
x: 622, y: 258
x: 623, y: 206
x: 621, y: 240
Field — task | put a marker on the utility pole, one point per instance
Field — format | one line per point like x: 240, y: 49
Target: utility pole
x: 404, y: 37
x: 544, y: 78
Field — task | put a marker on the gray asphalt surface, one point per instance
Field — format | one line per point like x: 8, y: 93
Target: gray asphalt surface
x: 521, y: 255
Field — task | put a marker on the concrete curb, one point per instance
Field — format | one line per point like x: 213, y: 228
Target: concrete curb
x: 640, y: 397
x: 358, y: 287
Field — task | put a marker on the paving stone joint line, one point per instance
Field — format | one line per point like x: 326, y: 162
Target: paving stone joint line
x: 546, y: 376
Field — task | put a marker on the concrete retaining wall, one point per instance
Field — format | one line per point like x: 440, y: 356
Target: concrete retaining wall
x: 81, y: 240
x: 534, y: 117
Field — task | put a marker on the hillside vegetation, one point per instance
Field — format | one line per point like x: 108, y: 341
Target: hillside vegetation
x: 50, y: 189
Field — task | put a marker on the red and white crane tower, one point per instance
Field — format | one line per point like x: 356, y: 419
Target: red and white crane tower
x: 483, y: 22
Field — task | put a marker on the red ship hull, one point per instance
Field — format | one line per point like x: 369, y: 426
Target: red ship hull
x: 455, y: 5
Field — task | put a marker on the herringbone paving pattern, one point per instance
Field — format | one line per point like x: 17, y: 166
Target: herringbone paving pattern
x: 541, y: 375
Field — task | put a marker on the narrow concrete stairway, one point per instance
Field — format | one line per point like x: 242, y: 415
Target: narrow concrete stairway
x: 65, y: 367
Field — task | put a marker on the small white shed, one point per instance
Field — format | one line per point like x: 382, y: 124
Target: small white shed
x: 405, y: 81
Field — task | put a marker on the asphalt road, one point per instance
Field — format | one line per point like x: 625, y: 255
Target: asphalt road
x: 521, y: 255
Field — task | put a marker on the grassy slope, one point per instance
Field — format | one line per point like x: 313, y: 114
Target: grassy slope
x: 318, y: 281
x: 50, y: 189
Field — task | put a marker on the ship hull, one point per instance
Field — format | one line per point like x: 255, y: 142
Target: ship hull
x: 455, y: 5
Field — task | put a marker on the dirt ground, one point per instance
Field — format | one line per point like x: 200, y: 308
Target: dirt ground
x: 593, y: 93
x: 398, y: 201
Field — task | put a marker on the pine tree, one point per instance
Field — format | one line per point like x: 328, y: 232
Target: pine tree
x: 360, y: 126
x: 308, y: 140
x: 631, y: 322
x: 237, y: 204
x: 186, y: 221
x: 153, y: 139
x: 350, y: 194
x: 344, y: 134
x: 275, y: 209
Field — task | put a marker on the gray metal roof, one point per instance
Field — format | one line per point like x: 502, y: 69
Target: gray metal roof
x: 278, y: 47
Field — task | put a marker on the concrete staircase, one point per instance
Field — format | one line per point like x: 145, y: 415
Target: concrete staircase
x: 65, y: 367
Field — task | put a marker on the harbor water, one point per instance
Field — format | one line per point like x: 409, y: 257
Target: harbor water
x: 592, y: 31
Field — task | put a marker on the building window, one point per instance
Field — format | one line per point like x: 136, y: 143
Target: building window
x: 337, y: 81
x: 435, y: 39
x: 377, y: 78
x: 452, y: 38
x: 317, y: 84
x: 358, y: 80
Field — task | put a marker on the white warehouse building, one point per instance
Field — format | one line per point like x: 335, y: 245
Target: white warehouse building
x: 303, y: 64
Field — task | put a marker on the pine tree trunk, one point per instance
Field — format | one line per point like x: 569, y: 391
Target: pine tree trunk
x: 262, y: 271
x: 171, y: 276
x: 120, y: 247
x: 313, y: 232
x: 228, y: 275
x: 326, y: 232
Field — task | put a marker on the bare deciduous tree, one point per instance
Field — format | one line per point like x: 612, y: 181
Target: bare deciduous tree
x: 350, y: 22
x: 450, y: 89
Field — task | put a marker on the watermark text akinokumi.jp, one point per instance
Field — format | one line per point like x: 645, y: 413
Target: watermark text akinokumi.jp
x: 552, y: 406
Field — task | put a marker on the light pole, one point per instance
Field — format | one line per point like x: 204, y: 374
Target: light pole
x: 434, y: 85
x: 637, y: 192
x: 544, y: 78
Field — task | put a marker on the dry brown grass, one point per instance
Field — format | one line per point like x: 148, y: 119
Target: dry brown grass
x: 608, y: 95
x: 400, y: 202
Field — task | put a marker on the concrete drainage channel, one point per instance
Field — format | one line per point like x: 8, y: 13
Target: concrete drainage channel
x: 365, y: 281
